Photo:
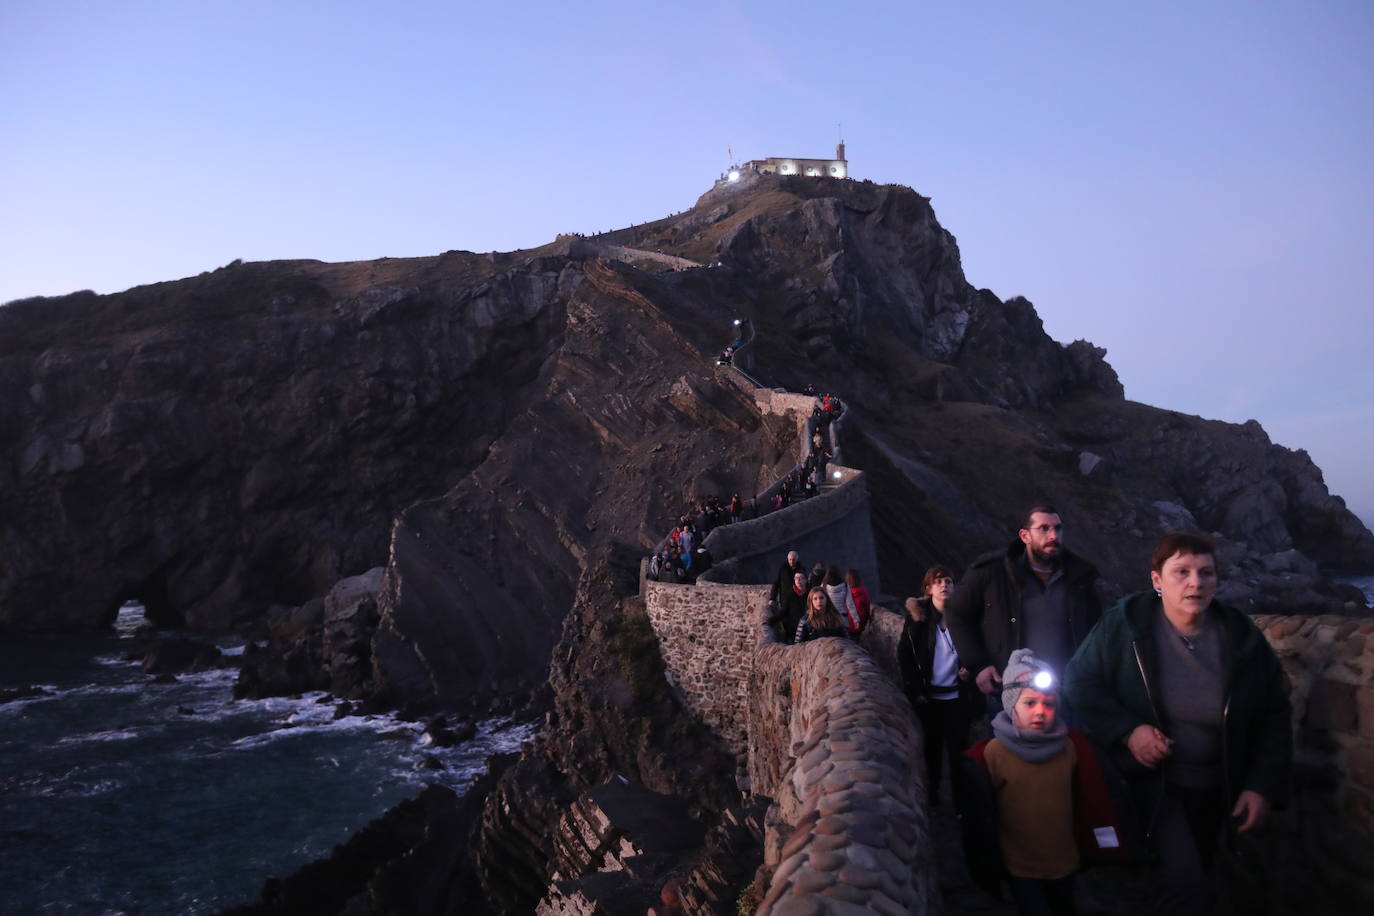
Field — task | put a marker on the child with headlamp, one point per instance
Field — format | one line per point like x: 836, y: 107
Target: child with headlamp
x: 1043, y: 796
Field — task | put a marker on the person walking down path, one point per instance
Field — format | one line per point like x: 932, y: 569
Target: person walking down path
x: 941, y: 690
x: 1191, y: 702
x: 821, y: 618
x: 1040, y: 803
x: 842, y: 598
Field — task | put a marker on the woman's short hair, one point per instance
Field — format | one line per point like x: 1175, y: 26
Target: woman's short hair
x: 851, y: 578
x: 1183, y: 542
x: 932, y: 574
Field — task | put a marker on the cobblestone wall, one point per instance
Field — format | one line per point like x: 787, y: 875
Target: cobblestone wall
x: 835, y: 745
x: 706, y: 634
x: 1317, y: 851
x: 880, y: 639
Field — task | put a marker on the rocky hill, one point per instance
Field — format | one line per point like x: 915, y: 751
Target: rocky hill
x: 429, y: 481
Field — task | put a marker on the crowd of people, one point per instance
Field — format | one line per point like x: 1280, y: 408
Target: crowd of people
x: 1155, y: 730
x: 684, y: 556
x: 803, y: 605
x: 1152, y: 731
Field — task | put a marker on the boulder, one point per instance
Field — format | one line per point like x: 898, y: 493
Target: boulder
x: 179, y: 655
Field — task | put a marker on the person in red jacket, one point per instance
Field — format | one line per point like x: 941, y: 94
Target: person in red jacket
x: 862, y: 603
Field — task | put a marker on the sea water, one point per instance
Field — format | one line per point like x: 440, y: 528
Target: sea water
x: 1364, y: 582
x: 123, y: 796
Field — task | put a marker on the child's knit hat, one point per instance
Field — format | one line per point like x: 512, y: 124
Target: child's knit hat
x: 1023, y: 670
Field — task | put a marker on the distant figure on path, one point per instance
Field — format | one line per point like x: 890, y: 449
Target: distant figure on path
x: 1036, y: 594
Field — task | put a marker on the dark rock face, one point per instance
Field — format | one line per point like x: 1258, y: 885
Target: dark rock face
x: 409, y: 860
x: 173, y: 656
x: 219, y: 444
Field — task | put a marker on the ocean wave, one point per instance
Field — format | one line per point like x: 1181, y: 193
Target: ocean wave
x: 117, y: 661
x: 462, y: 763
x: 116, y: 734
x: 78, y: 789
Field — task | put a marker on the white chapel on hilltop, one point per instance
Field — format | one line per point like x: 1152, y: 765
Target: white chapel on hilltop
x: 811, y: 168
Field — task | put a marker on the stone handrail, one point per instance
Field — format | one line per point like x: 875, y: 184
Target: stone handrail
x: 835, y: 745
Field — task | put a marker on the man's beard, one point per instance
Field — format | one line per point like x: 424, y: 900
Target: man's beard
x: 1042, y: 559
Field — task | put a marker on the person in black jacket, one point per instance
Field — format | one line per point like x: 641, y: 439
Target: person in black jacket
x: 1036, y: 594
x: 783, y: 580
x: 937, y: 685
x: 791, y: 607
x: 821, y: 618
x: 1190, y: 700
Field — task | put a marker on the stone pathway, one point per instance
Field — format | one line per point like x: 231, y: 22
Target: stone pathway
x: 1101, y: 891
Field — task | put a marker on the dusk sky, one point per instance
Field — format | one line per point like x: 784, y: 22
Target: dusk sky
x: 1189, y: 185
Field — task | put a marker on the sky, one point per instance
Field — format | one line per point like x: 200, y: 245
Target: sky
x: 1189, y: 185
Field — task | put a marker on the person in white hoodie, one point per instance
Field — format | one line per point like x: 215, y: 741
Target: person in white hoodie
x: 842, y: 598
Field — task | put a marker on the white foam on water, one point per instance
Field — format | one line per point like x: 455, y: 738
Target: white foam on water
x: 78, y: 789
x: 465, y: 762
x: 116, y: 661
x: 210, y: 677
x: 131, y: 616
x: 117, y: 734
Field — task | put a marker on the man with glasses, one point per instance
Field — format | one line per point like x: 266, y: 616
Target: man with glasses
x: 1034, y: 595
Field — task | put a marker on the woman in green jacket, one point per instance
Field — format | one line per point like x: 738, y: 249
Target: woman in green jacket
x: 1190, y: 700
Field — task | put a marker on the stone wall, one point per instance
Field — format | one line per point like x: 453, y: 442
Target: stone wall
x: 880, y: 639
x: 706, y: 634
x: 833, y: 526
x: 834, y: 743
x: 780, y: 401
x: 1317, y: 851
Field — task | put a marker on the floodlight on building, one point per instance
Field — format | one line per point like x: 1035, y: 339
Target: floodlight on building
x: 734, y: 175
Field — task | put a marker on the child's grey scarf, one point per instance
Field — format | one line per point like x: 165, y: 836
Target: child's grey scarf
x: 1032, y: 747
